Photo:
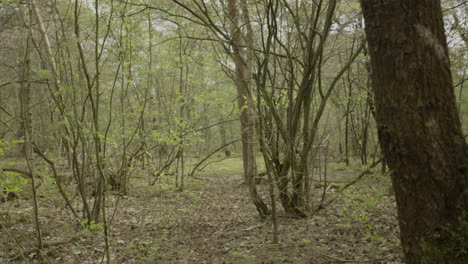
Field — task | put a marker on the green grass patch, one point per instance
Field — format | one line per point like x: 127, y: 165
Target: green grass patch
x: 230, y: 166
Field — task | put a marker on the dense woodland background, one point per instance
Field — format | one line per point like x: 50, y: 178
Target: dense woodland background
x: 228, y: 131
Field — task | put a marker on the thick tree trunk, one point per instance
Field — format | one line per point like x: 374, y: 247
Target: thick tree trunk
x: 419, y: 127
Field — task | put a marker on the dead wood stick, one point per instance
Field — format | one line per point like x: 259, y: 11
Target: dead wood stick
x: 355, y: 180
x: 352, y: 260
x: 25, y: 173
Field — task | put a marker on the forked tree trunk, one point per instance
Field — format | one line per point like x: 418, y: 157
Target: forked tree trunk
x: 419, y: 127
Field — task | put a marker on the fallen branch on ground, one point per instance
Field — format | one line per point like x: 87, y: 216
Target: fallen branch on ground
x: 22, y: 172
x: 192, y: 173
x: 352, y: 260
x: 355, y: 180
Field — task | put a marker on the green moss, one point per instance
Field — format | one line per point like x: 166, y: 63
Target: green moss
x: 240, y: 255
x: 453, y: 250
x: 304, y: 242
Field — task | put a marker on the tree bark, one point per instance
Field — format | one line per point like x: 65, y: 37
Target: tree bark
x: 241, y: 85
x: 419, y: 127
x: 246, y: 105
x: 26, y: 112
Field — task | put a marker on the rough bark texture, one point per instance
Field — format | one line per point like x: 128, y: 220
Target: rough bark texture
x: 419, y: 127
x: 246, y: 106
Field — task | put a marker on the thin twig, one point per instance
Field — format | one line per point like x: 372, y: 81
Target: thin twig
x: 456, y: 6
x: 355, y: 180
x: 352, y: 260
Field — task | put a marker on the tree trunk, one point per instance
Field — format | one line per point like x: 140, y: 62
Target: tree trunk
x: 419, y: 127
x: 246, y: 105
x: 26, y: 120
x: 24, y: 96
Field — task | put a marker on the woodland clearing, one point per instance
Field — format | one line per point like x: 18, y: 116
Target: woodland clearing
x: 211, y: 221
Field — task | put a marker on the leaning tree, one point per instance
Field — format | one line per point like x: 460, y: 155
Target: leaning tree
x: 419, y: 127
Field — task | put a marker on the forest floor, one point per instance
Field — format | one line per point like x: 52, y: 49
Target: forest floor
x: 211, y: 221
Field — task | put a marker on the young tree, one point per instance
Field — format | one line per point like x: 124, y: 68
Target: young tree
x: 291, y: 81
x: 245, y: 100
x: 419, y: 127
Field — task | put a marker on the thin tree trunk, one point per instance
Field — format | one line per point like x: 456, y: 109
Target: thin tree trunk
x: 23, y: 96
x: 365, y: 133
x: 26, y: 112
x: 347, y: 121
x: 245, y: 104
